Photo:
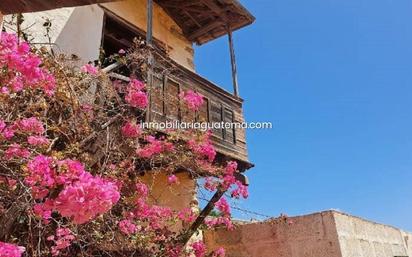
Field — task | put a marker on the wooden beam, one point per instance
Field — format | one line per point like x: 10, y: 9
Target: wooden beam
x: 205, y: 29
x: 233, y: 63
x: 215, y: 8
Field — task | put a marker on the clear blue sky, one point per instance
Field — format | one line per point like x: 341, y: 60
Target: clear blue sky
x: 335, y: 78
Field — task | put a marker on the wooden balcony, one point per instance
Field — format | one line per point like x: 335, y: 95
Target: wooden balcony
x: 219, y: 106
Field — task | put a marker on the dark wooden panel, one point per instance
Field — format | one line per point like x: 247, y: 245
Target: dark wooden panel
x: 203, y: 115
x: 157, y: 99
x: 172, y: 99
x: 229, y: 132
x: 216, y: 116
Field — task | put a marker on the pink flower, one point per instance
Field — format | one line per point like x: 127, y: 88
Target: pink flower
x: 186, y: 215
x: 193, y: 100
x: 122, y: 51
x: 172, y: 179
x: 85, y: 199
x: 154, y: 147
x: 137, y: 99
x: 10, y: 250
x: 223, y: 206
x: 9, y: 132
x: 31, y: 126
x: 199, y: 248
x: 2, y: 125
x: 127, y: 227
x: 43, y: 211
x: 22, y: 67
x: 37, y: 140
x: 241, y: 190
x: 41, y: 172
x: 88, y: 68
x: 205, y: 149
x: 63, y: 239
x: 142, y: 189
x: 131, y: 130
x: 16, y: 151
x: 136, y: 85
x: 220, y: 252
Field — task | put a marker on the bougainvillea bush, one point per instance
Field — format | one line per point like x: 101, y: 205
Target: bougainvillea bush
x: 72, y: 153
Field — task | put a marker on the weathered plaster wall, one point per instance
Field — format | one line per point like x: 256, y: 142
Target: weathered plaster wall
x: 309, y: 236
x: 177, y: 196
x: 74, y: 30
x: 325, y: 234
x: 362, y: 238
x: 164, y: 28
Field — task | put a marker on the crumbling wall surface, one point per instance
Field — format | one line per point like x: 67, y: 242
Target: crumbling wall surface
x: 76, y: 30
x: 362, y: 238
x: 305, y: 236
x: 407, y: 237
x: 164, y: 28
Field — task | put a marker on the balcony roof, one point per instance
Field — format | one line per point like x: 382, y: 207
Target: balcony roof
x: 205, y: 20
x: 200, y: 20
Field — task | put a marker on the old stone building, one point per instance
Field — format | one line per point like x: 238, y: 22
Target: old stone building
x: 87, y: 27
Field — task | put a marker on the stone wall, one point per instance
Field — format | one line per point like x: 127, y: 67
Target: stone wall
x: 324, y: 234
x: 362, y: 238
x: 306, y: 236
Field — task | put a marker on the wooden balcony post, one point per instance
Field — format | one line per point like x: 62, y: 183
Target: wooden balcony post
x: 1, y: 21
x: 149, y: 39
x: 233, y: 63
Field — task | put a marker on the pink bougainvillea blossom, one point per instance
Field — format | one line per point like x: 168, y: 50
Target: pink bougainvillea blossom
x: 90, y: 69
x: 136, y: 84
x: 142, y: 189
x: 22, y: 67
x: 199, y: 249
x: 135, y: 97
x: 172, y: 179
x: 240, y: 191
x: 220, y: 252
x: 186, y: 215
x: 31, y: 126
x: 63, y: 239
x: 10, y: 250
x: 127, y: 227
x: 223, y: 206
x: 131, y: 130
x: 16, y: 151
x: 37, y: 140
x: 154, y: 147
x: 41, y: 172
x: 85, y: 199
x: 192, y: 99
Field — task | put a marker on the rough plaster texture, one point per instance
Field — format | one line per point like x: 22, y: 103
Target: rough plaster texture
x: 308, y: 236
x: 177, y: 197
x: 362, y: 238
x: 164, y: 28
x: 76, y: 30
x: 325, y: 234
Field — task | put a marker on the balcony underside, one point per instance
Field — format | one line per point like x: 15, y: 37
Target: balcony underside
x: 200, y: 20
